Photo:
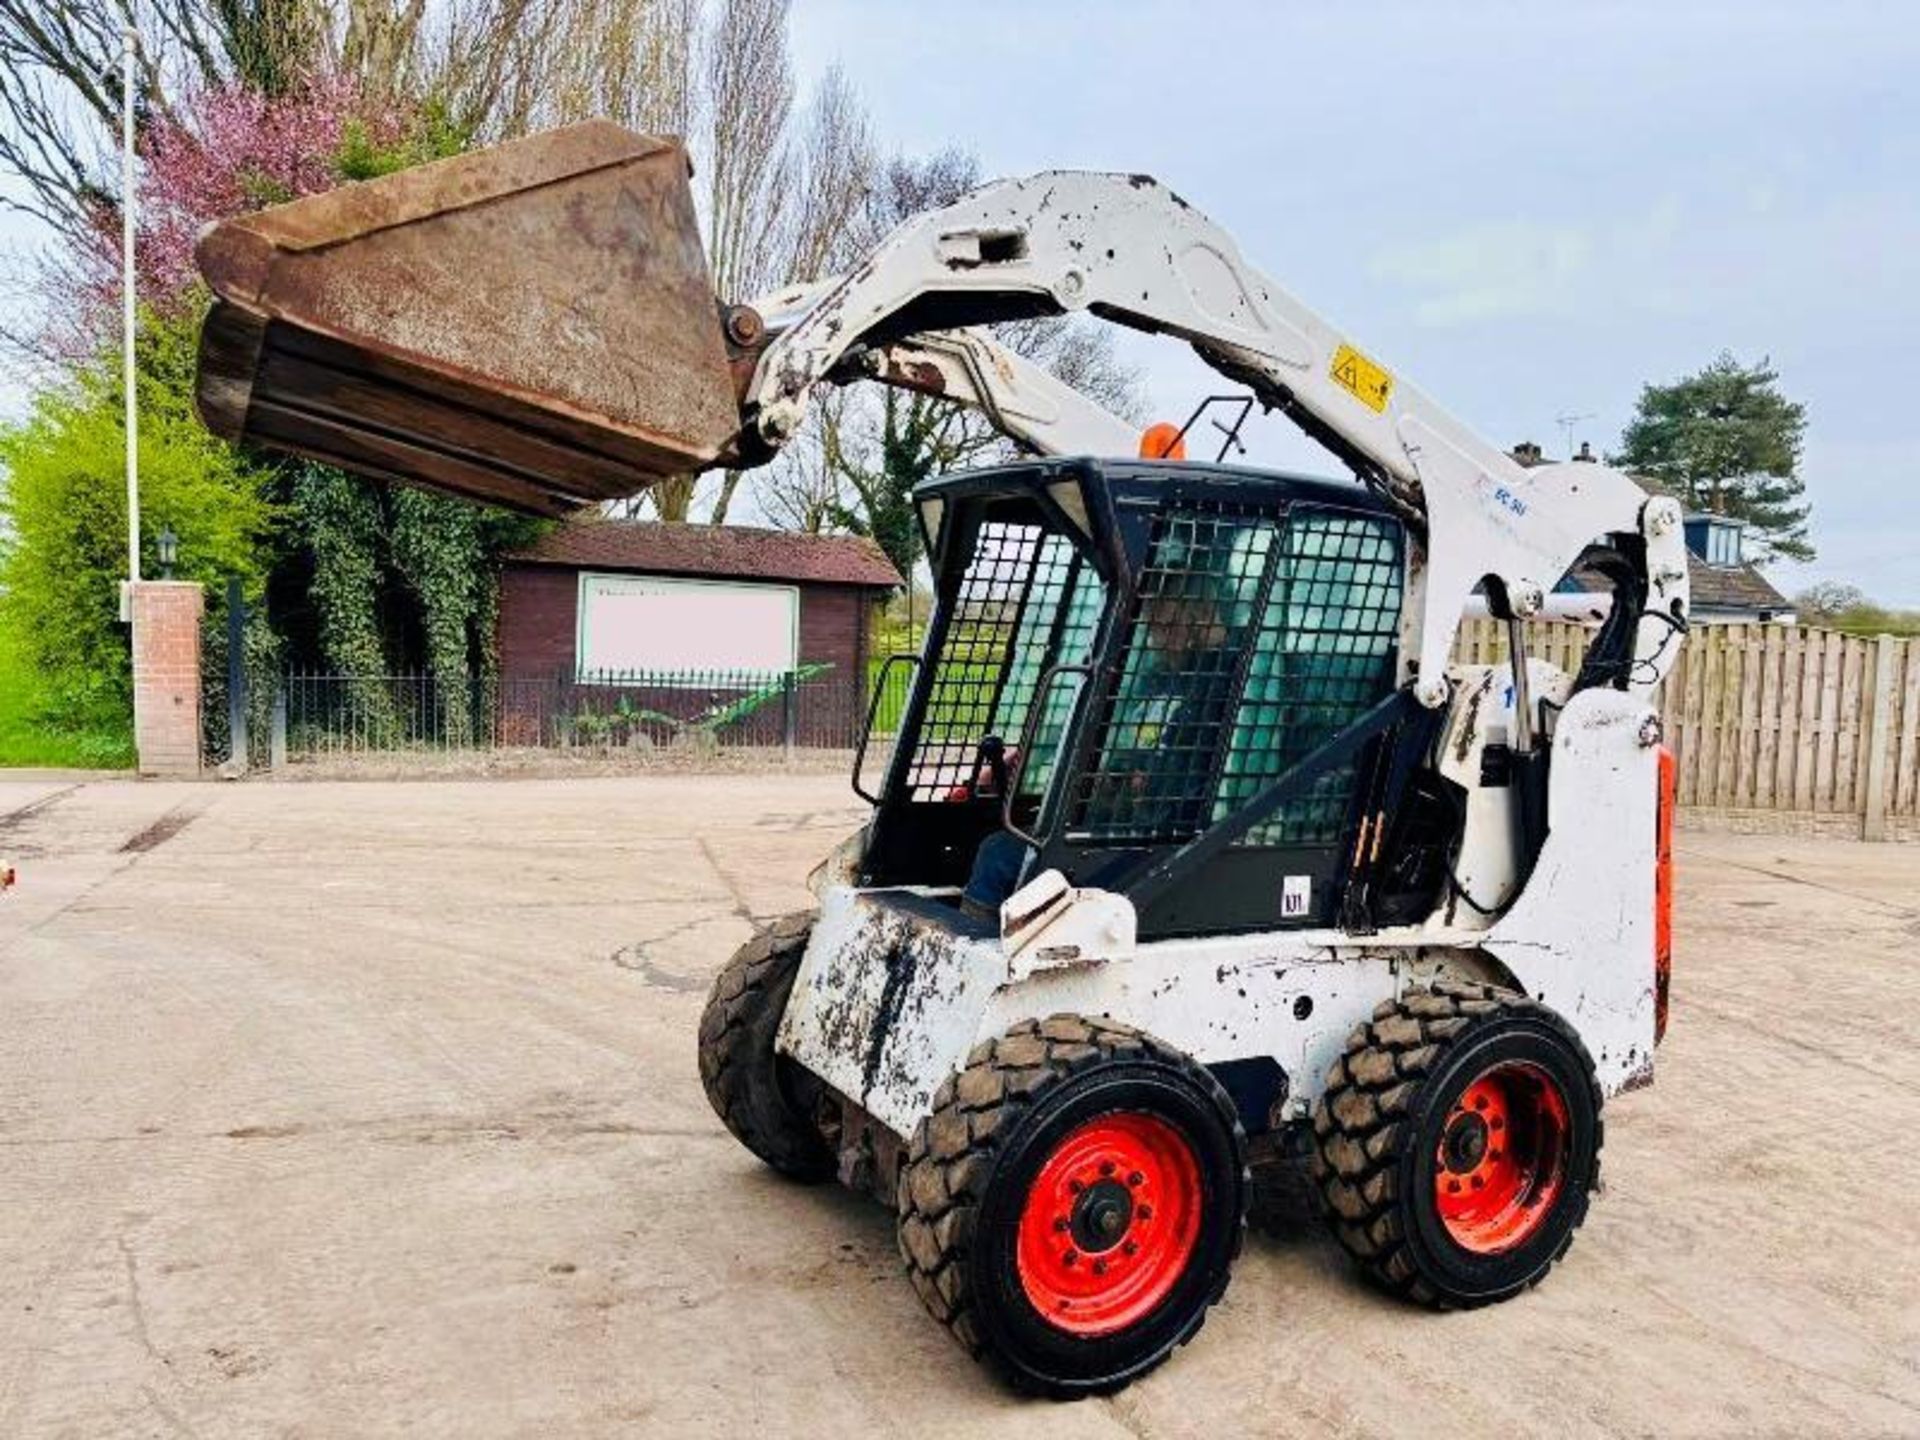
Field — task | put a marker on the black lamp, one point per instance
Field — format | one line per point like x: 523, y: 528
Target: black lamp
x: 168, y: 545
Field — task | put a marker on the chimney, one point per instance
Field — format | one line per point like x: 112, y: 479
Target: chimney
x: 1528, y: 453
x: 1586, y: 454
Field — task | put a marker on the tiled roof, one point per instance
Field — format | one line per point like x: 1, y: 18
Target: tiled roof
x: 729, y: 550
x: 1732, y: 587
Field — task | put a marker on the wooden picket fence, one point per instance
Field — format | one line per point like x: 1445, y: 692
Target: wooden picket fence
x: 1813, y: 729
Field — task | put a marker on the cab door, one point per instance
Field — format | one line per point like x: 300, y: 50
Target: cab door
x: 1256, y: 633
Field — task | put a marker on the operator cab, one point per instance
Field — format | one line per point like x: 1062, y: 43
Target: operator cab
x: 1122, y: 655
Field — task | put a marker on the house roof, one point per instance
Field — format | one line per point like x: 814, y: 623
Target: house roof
x: 1732, y: 587
x: 734, y: 551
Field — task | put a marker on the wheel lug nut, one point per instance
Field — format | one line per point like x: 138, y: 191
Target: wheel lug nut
x: 1130, y: 1248
x: 1069, y: 1257
x: 1074, y: 1187
x: 1145, y: 1212
x: 1107, y: 1167
x: 1099, y: 1267
x: 1136, y: 1179
x: 1453, y: 1187
x: 1062, y: 1224
x: 1478, y: 1182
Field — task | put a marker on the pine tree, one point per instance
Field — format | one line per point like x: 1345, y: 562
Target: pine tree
x: 1727, y: 442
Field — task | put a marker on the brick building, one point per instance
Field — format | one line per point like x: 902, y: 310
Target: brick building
x: 680, y: 619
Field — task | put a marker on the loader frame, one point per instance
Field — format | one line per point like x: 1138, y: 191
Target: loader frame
x: 1256, y: 959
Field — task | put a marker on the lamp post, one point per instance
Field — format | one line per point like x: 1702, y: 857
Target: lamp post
x: 129, y: 52
x: 168, y: 544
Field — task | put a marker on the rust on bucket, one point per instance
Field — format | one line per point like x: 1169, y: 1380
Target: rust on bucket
x: 532, y: 324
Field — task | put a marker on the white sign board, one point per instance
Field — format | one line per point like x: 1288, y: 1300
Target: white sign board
x: 644, y: 623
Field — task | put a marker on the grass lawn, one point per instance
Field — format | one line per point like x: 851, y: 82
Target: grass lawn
x: 25, y: 741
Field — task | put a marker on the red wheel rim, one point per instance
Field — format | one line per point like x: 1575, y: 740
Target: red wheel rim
x: 1502, y: 1158
x: 1110, y: 1223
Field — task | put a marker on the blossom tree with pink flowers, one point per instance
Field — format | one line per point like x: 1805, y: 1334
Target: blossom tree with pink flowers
x: 221, y: 152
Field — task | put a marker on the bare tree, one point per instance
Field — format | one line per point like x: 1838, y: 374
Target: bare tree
x: 626, y: 60
x: 803, y: 490
x: 496, y: 67
x: 748, y: 162
x: 60, y: 92
x: 835, y: 169
x: 831, y: 166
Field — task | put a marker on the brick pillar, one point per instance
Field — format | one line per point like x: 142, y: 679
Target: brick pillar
x: 166, y: 676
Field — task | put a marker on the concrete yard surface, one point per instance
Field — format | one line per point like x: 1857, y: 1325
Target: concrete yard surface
x: 344, y: 1109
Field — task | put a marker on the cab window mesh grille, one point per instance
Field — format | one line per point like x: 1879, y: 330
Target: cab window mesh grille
x: 1077, y: 622
x: 1323, y: 655
x: 1005, y: 629
x: 1253, y: 641
x: 1162, y: 727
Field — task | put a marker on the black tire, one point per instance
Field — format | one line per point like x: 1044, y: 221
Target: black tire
x: 762, y: 1097
x: 1395, y: 1097
x: 994, y: 1129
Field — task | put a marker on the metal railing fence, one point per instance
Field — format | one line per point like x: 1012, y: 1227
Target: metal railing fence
x: 812, y: 706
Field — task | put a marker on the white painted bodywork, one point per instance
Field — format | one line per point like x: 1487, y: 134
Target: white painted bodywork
x: 1580, y: 939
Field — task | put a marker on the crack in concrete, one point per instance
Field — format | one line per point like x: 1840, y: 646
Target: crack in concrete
x: 634, y: 957
x: 1125, y: 1410
x: 1904, y: 910
x: 740, y: 905
x: 1768, y: 1354
x: 428, y: 1131
x: 174, y: 1420
x: 1747, y: 1023
x: 136, y: 1304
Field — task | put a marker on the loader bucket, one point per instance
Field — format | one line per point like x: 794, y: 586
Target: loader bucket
x: 532, y: 324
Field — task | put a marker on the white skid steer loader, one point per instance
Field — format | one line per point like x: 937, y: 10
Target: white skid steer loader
x: 1194, y: 855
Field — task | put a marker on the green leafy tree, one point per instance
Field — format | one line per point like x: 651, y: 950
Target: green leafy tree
x: 63, y: 507
x: 911, y: 446
x: 339, y: 521
x: 1727, y: 442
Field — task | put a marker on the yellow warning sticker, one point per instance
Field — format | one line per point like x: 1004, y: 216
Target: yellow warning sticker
x: 1369, y: 384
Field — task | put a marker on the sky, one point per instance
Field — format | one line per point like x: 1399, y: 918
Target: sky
x: 1530, y: 211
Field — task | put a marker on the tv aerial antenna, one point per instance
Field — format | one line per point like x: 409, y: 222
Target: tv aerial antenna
x: 1566, y: 423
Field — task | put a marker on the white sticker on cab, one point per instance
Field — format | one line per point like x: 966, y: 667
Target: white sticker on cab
x: 1296, y: 896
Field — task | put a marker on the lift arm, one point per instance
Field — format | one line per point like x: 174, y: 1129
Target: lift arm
x: 1022, y: 400
x: 1129, y: 250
